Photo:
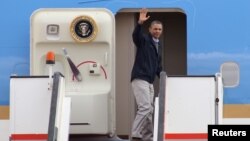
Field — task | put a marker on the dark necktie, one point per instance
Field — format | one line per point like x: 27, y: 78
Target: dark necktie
x: 157, y: 46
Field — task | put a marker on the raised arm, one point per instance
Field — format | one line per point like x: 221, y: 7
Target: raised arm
x: 138, y: 34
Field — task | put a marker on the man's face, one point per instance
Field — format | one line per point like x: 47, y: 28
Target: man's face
x: 155, y: 30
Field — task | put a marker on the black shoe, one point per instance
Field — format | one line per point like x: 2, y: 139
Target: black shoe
x: 136, y: 139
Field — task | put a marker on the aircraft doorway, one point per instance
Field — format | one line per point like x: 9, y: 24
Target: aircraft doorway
x: 174, y: 41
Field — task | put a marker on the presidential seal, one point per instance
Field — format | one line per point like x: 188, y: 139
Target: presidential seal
x: 83, y: 29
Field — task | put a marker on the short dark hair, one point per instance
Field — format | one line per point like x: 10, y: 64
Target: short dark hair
x: 155, y: 22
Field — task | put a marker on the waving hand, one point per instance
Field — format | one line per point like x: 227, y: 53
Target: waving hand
x: 143, y: 16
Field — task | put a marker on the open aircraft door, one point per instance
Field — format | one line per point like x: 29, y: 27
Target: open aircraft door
x: 83, y: 40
